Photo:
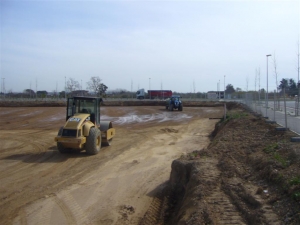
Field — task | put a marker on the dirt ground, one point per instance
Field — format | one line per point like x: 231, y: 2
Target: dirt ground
x: 162, y: 168
x: 121, y: 184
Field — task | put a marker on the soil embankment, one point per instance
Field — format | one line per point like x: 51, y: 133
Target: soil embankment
x: 106, y: 102
x: 249, y: 174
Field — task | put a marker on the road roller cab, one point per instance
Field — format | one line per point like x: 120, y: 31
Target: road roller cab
x: 83, y: 129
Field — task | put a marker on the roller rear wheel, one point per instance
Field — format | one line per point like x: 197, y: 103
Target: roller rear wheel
x: 93, y: 141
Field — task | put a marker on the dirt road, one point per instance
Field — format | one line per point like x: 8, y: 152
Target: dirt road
x: 38, y: 185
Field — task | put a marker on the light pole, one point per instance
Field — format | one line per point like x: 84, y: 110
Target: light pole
x: 297, y: 113
x: 3, y: 87
x: 149, y: 88
x: 224, y: 87
x: 267, y: 87
x: 65, y: 89
x: 2, y: 84
x: 219, y: 90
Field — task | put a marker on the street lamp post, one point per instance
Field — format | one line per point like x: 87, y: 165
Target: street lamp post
x: 219, y: 90
x: 65, y: 89
x: 3, y: 87
x: 224, y: 87
x: 297, y: 105
x: 267, y: 87
x: 149, y: 88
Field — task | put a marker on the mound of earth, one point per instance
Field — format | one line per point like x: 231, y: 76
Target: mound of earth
x: 249, y: 174
x: 106, y: 102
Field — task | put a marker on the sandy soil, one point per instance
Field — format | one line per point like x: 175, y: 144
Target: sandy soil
x: 38, y: 185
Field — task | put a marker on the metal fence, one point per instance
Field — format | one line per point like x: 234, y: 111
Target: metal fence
x: 284, y: 113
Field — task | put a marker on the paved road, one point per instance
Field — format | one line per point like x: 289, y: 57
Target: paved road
x: 291, y: 121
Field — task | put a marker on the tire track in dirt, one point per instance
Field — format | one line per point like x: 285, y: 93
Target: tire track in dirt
x: 268, y: 213
x: 73, y: 207
x: 219, y: 208
x: 39, y: 156
x: 44, y: 215
x: 70, y: 218
x: 46, y: 212
x: 222, y: 210
x: 66, y: 202
x: 154, y: 214
x: 244, y: 194
x: 32, y: 188
x: 217, y: 205
x: 23, y: 219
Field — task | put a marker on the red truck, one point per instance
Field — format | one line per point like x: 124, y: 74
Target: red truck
x: 152, y: 94
x: 160, y: 94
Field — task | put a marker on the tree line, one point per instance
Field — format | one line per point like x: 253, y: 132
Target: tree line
x: 95, y: 87
x: 290, y: 86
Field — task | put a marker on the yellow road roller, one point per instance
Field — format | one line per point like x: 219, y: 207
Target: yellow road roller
x: 83, y: 129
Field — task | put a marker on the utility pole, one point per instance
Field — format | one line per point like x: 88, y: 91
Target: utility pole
x: 224, y: 88
x: 194, y: 86
x: 65, y: 88
x: 161, y: 93
x: 3, y: 87
x: 35, y: 87
x: 258, y: 72
x: 149, y: 88
x: 267, y: 87
x: 219, y: 89
x: 131, y: 88
x: 298, y: 105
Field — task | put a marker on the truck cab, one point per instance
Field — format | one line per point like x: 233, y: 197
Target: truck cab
x: 140, y: 94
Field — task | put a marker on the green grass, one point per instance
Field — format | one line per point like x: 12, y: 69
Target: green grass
x: 295, y: 181
x: 271, y: 148
x: 280, y: 159
x: 234, y: 115
x: 296, y: 195
x: 279, y: 178
x: 194, y: 154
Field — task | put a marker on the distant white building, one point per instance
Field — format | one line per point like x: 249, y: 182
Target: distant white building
x: 215, y: 94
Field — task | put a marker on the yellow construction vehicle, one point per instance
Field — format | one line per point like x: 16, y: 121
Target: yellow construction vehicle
x: 83, y: 129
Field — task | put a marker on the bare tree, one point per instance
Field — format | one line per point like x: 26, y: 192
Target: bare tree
x: 72, y: 85
x: 258, y: 77
x: 255, y: 94
x: 297, y: 106
x: 276, y: 80
x: 255, y: 81
x: 96, y: 86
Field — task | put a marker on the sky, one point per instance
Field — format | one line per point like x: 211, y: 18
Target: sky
x: 183, y: 46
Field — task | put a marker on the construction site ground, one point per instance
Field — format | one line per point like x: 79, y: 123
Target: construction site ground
x: 163, y: 167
